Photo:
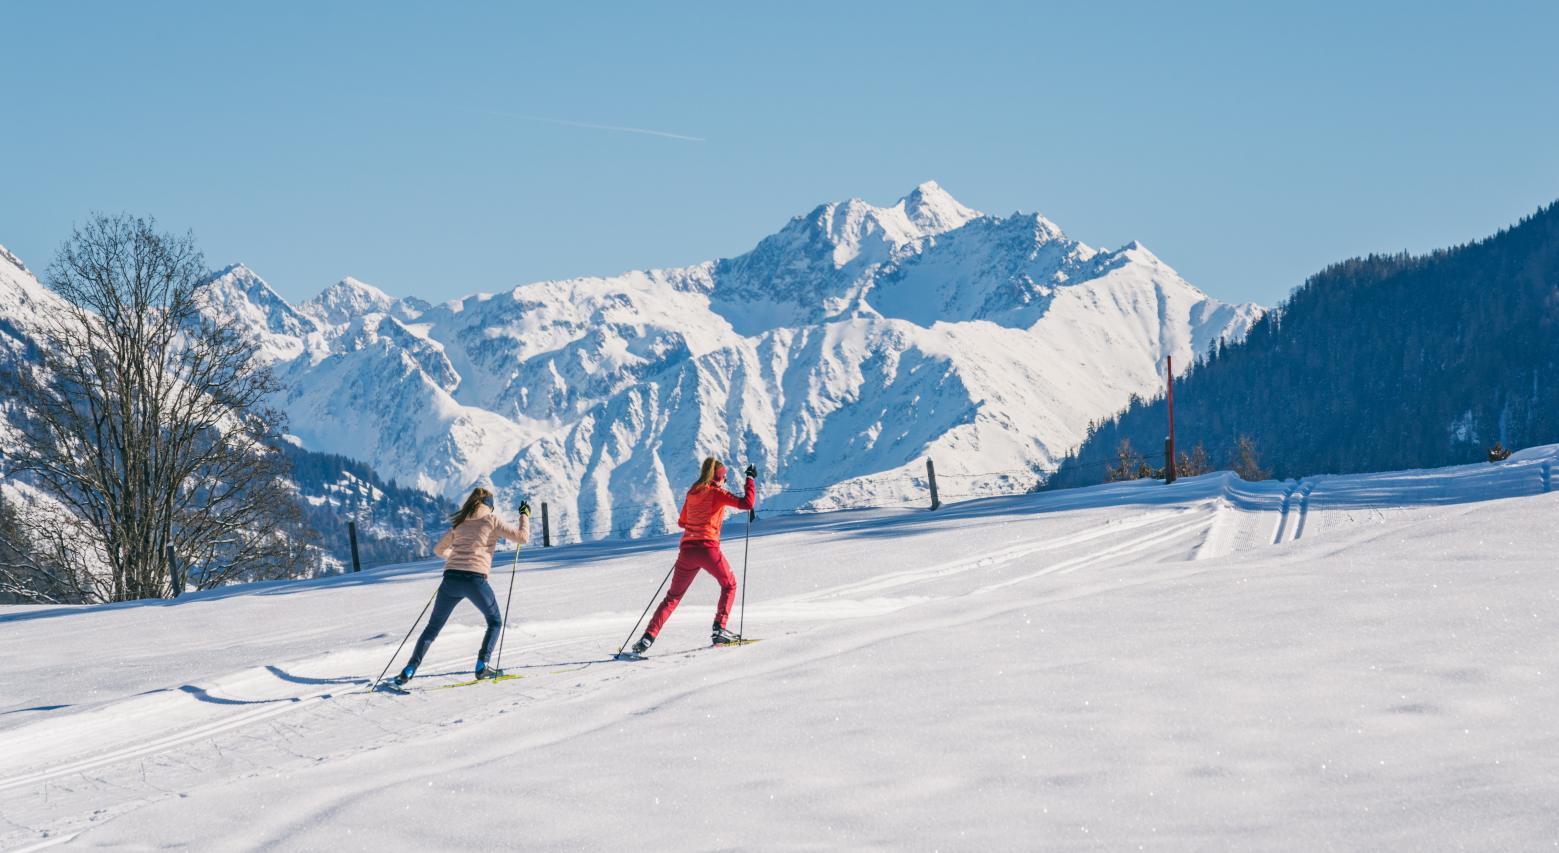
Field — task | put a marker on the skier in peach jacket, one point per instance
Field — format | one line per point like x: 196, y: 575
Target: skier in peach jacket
x: 467, y: 549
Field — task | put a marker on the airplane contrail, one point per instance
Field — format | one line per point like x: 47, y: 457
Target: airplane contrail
x: 665, y: 134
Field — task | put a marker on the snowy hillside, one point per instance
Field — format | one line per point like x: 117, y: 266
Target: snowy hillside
x: 24, y: 306
x: 1351, y: 662
x: 391, y: 520
x: 836, y: 355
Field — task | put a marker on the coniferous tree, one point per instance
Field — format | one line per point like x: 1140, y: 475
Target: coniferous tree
x: 1376, y: 363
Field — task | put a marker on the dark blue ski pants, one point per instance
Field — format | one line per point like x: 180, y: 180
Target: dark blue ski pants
x: 457, y: 586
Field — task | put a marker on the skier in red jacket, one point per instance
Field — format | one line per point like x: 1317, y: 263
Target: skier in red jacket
x: 703, y: 510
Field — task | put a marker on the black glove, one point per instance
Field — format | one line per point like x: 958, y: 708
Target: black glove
x: 524, y: 508
x: 752, y: 472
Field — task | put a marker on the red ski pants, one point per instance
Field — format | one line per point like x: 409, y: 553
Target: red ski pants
x: 692, y: 557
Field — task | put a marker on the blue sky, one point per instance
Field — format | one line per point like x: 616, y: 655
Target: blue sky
x: 440, y: 149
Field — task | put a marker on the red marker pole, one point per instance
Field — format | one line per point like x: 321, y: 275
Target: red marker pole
x: 1169, y: 464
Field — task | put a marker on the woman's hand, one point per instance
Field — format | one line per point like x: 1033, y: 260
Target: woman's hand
x: 752, y: 472
x: 524, y: 508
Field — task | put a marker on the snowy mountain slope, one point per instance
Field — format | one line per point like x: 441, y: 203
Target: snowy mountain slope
x: 283, y: 332
x: 1359, y: 662
x: 836, y: 355
x: 349, y: 299
x: 378, y: 402
x: 821, y: 266
x: 386, y: 526
x: 23, y: 304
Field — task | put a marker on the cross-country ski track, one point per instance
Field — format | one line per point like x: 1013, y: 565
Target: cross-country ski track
x: 1336, y: 662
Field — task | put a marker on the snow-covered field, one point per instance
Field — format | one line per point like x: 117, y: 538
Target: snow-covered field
x: 1359, y: 662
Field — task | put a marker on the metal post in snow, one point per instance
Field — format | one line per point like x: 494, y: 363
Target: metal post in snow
x: 351, y: 532
x: 936, y: 502
x: 1169, y: 443
x: 546, y: 527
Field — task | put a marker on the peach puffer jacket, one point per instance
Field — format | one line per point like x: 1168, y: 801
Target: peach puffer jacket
x: 469, y: 547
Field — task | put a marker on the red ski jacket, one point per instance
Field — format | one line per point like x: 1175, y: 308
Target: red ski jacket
x: 703, y: 510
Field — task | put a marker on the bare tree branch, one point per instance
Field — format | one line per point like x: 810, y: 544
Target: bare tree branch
x: 146, y: 419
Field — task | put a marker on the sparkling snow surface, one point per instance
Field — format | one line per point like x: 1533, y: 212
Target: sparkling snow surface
x: 1359, y: 662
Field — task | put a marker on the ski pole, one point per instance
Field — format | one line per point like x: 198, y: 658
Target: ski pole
x: 404, y: 639
x: 741, y: 625
x: 513, y: 567
x: 646, y: 609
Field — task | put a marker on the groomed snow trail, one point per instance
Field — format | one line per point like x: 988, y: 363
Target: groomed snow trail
x: 1345, y: 661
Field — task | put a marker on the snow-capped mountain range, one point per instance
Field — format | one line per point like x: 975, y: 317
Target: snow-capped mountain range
x: 837, y: 355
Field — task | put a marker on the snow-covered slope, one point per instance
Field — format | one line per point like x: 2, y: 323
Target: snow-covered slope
x: 1357, y: 662
x: 348, y: 299
x: 24, y: 306
x: 287, y: 336
x: 836, y: 355
x: 283, y: 331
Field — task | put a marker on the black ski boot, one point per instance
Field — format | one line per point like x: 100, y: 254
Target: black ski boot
x: 643, y: 645
x: 721, y: 637
x: 405, y: 675
x: 485, y: 671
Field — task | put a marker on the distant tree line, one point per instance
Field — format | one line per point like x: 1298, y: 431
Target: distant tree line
x: 1376, y: 363
x: 395, y: 523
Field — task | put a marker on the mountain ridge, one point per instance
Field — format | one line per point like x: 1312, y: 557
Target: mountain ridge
x: 836, y: 355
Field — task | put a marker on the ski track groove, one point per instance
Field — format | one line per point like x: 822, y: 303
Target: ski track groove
x: 992, y: 559
x: 1282, y: 522
x: 1216, y: 542
x: 200, y: 732
x: 1304, y: 509
x: 287, y: 704
x: 1151, y: 530
x: 1125, y: 549
x: 667, y: 696
x: 1301, y: 489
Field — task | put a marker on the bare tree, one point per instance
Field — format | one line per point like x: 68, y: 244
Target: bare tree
x: 1247, y: 460
x: 1129, y: 464
x: 145, y: 418
x: 1193, y: 464
x: 28, y: 574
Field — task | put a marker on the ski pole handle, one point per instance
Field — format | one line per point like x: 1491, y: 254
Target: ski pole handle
x: 752, y: 511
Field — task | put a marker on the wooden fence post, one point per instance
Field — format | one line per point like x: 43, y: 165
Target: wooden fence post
x: 351, y: 532
x: 936, y: 502
x: 546, y: 527
x: 175, y: 577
